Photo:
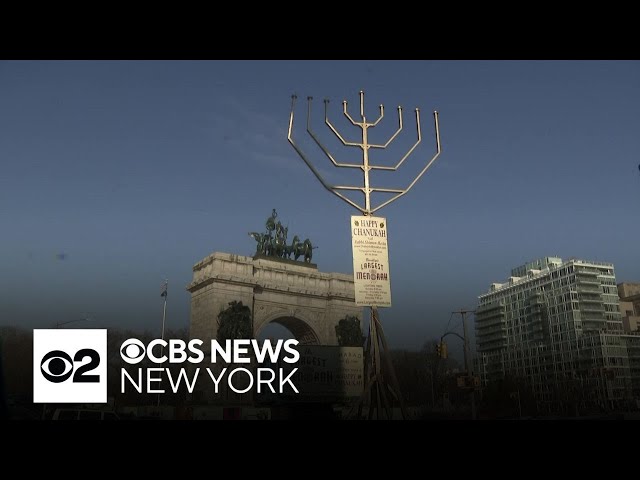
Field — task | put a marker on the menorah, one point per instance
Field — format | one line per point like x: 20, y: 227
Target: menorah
x: 376, y: 346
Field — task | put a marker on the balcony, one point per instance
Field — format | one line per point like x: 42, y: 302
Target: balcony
x: 489, y: 307
x: 590, y: 308
x: 592, y: 325
x: 583, y: 263
x: 491, y: 337
x: 590, y: 300
x: 482, y: 323
x: 595, y: 291
x: 587, y: 281
x: 537, y: 301
x: 490, y: 346
x: 585, y: 271
x: 483, y: 328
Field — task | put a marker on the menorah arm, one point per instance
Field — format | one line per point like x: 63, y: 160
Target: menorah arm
x: 385, y: 190
x: 372, y: 189
x: 380, y: 117
x: 322, y: 147
x: 346, y: 114
x: 433, y: 159
x: 310, y: 165
x: 371, y: 145
x: 337, y: 134
x: 395, y: 197
x: 345, y: 143
x: 375, y: 167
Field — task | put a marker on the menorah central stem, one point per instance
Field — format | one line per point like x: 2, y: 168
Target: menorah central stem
x: 366, y: 168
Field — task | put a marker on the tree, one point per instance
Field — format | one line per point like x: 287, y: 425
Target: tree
x: 349, y: 332
x: 410, y: 372
x: 234, y: 322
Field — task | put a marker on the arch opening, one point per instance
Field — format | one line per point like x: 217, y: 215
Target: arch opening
x: 286, y: 328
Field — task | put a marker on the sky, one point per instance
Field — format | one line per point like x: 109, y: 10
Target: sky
x: 115, y: 175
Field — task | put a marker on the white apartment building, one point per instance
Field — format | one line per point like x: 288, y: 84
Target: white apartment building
x: 557, y: 326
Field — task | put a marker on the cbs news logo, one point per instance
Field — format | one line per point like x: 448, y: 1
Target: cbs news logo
x: 69, y: 366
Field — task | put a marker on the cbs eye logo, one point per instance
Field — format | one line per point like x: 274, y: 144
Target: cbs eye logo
x: 69, y: 366
x: 57, y: 366
x: 132, y: 351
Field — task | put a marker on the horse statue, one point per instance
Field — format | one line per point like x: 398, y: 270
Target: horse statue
x: 308, y: 250
x: 298, y: 249
x: 261, y: 246
x: 303, y: 249
x: 291, y: 249
x: 278, y: 247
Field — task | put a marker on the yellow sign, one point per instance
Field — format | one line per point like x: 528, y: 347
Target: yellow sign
x: 370, y: 261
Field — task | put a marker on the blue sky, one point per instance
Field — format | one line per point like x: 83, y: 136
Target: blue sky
x: 136, y: 170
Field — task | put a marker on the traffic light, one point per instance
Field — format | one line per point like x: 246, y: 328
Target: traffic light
x: 441, y: 349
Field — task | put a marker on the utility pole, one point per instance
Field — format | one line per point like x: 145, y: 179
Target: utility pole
x: 468, y: 362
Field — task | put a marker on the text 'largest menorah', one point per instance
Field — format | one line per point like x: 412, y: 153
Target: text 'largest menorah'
x: 366, y: 166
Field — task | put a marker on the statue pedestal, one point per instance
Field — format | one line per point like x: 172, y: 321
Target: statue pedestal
x: 286, y: 261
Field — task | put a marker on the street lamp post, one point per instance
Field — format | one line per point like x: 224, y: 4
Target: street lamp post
x: 468, y: 361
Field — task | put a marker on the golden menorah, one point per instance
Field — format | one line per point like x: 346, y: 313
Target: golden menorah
x: 375, y: 385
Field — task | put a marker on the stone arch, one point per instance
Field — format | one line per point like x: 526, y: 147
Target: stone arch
x: 296, y: 295
x: 299, y: 328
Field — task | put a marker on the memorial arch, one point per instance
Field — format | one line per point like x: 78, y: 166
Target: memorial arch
x: 293, y: 294
x: 300, y: 328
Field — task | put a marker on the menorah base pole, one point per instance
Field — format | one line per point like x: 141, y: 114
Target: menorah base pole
x: 378, y: 393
